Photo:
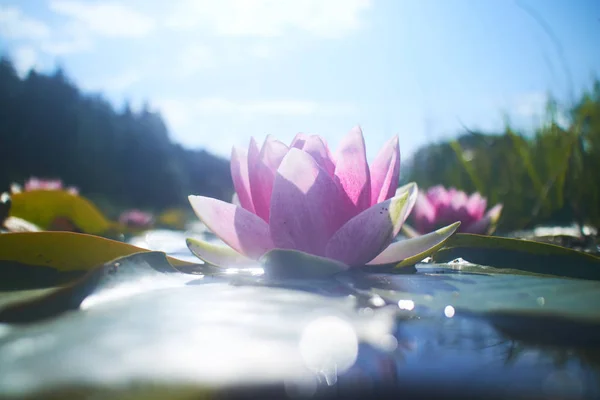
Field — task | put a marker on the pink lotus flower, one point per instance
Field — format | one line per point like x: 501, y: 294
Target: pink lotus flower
x: 304, y: 200
x: 48, y: 184
x: 135, y: 218
x: 439, y: 207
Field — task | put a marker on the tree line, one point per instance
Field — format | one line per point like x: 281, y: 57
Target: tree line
x: 120, y: 158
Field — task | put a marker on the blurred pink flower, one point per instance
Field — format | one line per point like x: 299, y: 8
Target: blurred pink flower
x: 136, y: 218
x: 34, y: 183
x: 439, y: 207
x: 302, y: 198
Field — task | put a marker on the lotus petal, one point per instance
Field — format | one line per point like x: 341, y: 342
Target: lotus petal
x: 415, y: 249
x: 241, y: 179
x: 352, y: 170
x: 316, y: 147
x: 458, y: 200
x: 409, y: 186
x: 385, y: 171
x: 413, y: 192
x: 366, y: 235
x: 243, y: 231
x: 299, y: 140
x: 290, y: 264
x: 486, y: 224
x: 305, y: 206
x: 272, y: 152
x: 253, y: 159
x: 476, y: 205
x: 262, y: 175
x: 217, y: 255
x: 235, y: 200
x: 424, y: 215
x: 438, y: 196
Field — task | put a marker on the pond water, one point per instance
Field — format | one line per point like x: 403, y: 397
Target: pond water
x: 437, y: 332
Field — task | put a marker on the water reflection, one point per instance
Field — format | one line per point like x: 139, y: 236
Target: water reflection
x: 429, y: 334
x: 329, y: 346
x: 442, y: 342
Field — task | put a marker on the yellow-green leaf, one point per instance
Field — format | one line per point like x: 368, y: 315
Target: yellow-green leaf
x: 520, y: 254
x: 173, y: 218
x: 65, y: 251
x: 42, y: 207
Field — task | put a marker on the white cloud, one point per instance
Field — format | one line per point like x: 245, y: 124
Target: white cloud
x: 269, y: 107
x: 199, y: 57
x: 25, y: 58
x: 107, y: 18
x: 123, y: 80
x: 15, y: 25
x: 118, y: 82
x: 62, y: 47
x: 183, y: 110
x: 269, y: 18
x: 260, y: 50
x: 68, y: 39
x: 233, y: 119
x: 193, y: 59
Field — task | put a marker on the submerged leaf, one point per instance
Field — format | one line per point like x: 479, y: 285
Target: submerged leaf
x: 525, y: 255
x: 288, y: 264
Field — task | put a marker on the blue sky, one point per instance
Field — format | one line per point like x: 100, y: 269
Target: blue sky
x: 221, y: 71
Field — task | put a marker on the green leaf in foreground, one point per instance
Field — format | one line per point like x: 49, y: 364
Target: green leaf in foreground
x: 32, y: 260
x: 42, y: 207
x: 65, y: 251
x: 69, y: 297
x: 519, y: 254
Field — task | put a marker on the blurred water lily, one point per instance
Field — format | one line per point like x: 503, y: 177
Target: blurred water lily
x: 314, y: 208
x: 34, y: 183
x: 136, y: 218
x: 440, y: 206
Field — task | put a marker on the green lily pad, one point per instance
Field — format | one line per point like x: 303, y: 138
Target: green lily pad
x: 138, y: 266
x: 436, y: 287
x: 65, y: 251
x: 43, y: 207
x: 542, y: 328
x: 519, y: 254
